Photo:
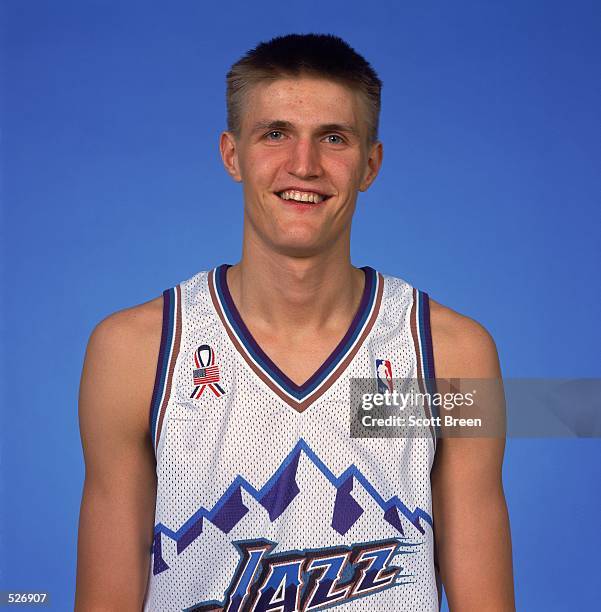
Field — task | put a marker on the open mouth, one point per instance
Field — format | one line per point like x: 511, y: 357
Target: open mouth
x: 303, y: 197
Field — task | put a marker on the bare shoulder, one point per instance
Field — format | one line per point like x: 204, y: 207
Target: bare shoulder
x: 119, y: 493
x: 466, y: 475
x: 463, y: 348
x: 140, y: 324
x: 120, y: 367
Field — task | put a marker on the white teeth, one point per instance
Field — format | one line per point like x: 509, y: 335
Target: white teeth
x: 302, y: 196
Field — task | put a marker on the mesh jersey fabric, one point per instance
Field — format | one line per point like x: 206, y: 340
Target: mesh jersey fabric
x: 264, y: 500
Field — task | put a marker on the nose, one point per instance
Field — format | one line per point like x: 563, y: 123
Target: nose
x: 304, y: 161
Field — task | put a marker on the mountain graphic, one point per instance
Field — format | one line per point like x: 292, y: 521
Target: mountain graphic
x: 278, y: 493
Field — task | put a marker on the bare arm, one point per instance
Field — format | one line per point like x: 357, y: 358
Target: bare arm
x: 471, y: 522
x: 117, y: 508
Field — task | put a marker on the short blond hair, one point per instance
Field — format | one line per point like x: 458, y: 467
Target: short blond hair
x: 321, y: 55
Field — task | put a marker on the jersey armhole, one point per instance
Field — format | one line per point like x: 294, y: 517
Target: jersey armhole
x: 169, y: 348
x: 425, y: 354
x: 426, y: 334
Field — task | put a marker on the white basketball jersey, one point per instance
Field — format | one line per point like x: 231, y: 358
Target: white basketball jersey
x: 265, y: 501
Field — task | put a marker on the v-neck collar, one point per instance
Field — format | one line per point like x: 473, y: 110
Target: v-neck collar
x: 297, y: 396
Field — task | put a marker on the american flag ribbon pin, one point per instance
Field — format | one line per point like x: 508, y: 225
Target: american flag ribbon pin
x: 206, y: 372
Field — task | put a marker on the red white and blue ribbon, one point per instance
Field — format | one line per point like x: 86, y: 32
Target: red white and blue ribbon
x: 206, y: 373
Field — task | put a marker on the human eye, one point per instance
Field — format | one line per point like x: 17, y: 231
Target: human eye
x: 334, y: 139
x: 274, y: 135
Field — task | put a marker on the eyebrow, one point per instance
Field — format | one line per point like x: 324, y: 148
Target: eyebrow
x: 286, y: 125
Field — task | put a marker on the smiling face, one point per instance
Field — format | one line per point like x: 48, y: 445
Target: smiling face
x: 302, y: 155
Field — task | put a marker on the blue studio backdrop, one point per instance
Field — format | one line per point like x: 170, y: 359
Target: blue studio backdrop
x: 113, y: 190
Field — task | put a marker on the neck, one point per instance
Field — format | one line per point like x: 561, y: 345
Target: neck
x: 280, y: 292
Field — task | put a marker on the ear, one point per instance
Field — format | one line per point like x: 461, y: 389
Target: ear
x: 229, y: 155
x: 374, y: 162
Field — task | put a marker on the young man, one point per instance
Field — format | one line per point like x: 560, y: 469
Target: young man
x: 243, y: 488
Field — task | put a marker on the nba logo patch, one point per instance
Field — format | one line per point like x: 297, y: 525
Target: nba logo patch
x: 206, y: 372
x: 384, y: 375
